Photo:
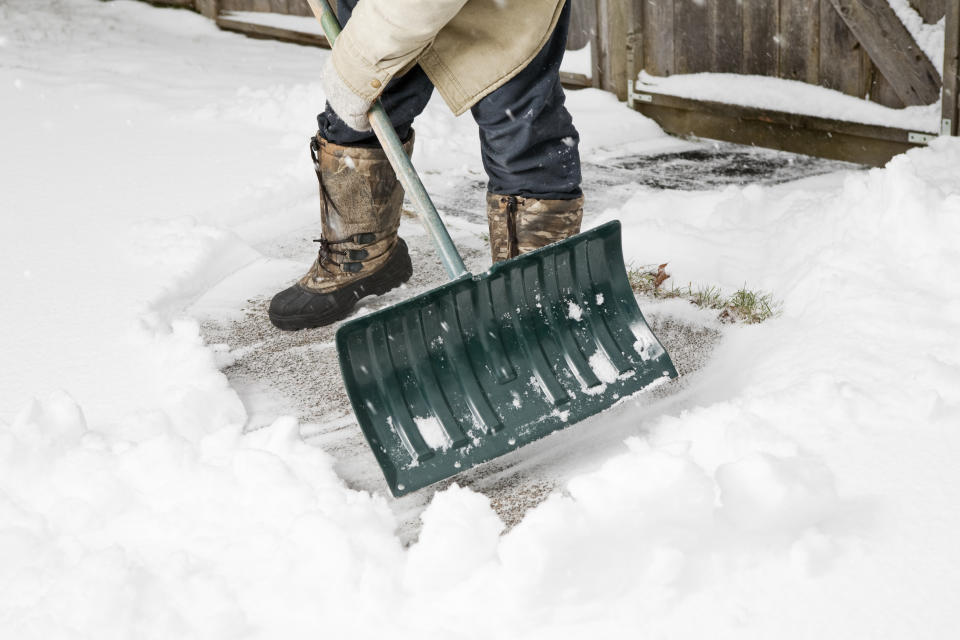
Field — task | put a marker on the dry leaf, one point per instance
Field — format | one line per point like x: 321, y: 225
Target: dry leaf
x: 661, y: 276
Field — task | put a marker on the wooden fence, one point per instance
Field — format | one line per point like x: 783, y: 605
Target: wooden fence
x: 291, y: 7
x: 212, y: 8
x: 582, y: 34
x: 858, y: 47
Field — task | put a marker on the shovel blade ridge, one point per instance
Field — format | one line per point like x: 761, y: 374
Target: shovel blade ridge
x: 471, y: 370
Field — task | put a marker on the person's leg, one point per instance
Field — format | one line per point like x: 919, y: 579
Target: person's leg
x: 404, y: 99
x: 530, y: 154
x: 360, y: 200
x: 527, y: 137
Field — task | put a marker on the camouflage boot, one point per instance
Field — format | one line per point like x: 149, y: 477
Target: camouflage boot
x: 518, y: 224
x: 360, y: 252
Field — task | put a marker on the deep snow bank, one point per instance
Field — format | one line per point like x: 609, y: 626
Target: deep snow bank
x: 788, y: 502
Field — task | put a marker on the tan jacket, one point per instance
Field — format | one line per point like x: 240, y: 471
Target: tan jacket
x: 468, y: 48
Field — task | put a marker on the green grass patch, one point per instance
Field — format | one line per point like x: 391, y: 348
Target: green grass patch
x: 744, y: 305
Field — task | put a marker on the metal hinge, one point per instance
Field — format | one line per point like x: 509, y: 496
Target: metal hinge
x: 920, y: 138
x: 634, y: 97
x: 946, y: 126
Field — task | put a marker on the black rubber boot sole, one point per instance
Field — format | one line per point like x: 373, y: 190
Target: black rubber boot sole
x: 298, y: 308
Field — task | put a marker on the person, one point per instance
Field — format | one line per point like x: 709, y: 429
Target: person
x: 499, y: 59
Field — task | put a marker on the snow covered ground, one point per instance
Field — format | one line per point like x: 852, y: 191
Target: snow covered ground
x: 800, y: 483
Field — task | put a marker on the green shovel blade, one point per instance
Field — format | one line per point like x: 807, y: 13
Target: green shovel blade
x: 488, y: 363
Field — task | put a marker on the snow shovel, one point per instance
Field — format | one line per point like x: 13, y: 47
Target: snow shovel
x: 487, y: 363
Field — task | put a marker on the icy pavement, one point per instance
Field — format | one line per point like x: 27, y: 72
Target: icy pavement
x: 612, y: 176
x: 302, y: 366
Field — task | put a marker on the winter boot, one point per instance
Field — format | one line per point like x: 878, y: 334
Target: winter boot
x: 518, y: 224
x: 360, y: 252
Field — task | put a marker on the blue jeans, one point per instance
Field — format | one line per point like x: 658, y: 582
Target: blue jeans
x: 527, y: 138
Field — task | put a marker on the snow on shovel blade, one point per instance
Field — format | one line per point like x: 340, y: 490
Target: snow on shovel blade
x: 482, y: 365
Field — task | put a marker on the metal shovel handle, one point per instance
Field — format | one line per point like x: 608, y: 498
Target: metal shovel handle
x: 383, y: 128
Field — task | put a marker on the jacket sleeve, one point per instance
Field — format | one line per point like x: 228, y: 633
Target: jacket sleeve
x: 383, y: 37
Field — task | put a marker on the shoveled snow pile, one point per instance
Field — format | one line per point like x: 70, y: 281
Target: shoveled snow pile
x: 803, y: 485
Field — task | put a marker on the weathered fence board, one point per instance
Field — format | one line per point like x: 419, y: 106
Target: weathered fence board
x: 799, y: 40
x: 583, y: 24
x: 208, y: 8
x: 612, y: 29
x: 726, y: 40
x: 824, y: 137
x: 268, y: 32
x: 658, y: 41
x: 930, y: 10
x: 951, y: 72
x: 841, y: 57
x: 882, y: 91
x: 761, y: 26
x: 183, y: 4
x: 691, y: 36
x: 236, y: 5
x: 892, y: 49
x: 635, y: 38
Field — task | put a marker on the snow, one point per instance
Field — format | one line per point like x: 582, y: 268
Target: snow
x: 603, y: 368
x: 433, y: 433
x: 578, y: 61
x: 801, y: 484
x: 790, y: 96
x: 928, y: 36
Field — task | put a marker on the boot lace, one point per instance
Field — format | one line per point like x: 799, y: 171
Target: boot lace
x: 326, y: 253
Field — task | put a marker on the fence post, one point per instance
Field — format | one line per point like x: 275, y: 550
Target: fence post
x: 209, y: 8
x: 635, y: 60
x: 951, y: 70
x: 612, y: 37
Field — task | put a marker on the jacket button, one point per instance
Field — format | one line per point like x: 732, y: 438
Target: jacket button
x: 375, y: 84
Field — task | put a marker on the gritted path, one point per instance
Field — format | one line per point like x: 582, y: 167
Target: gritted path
x: 299, y: 370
